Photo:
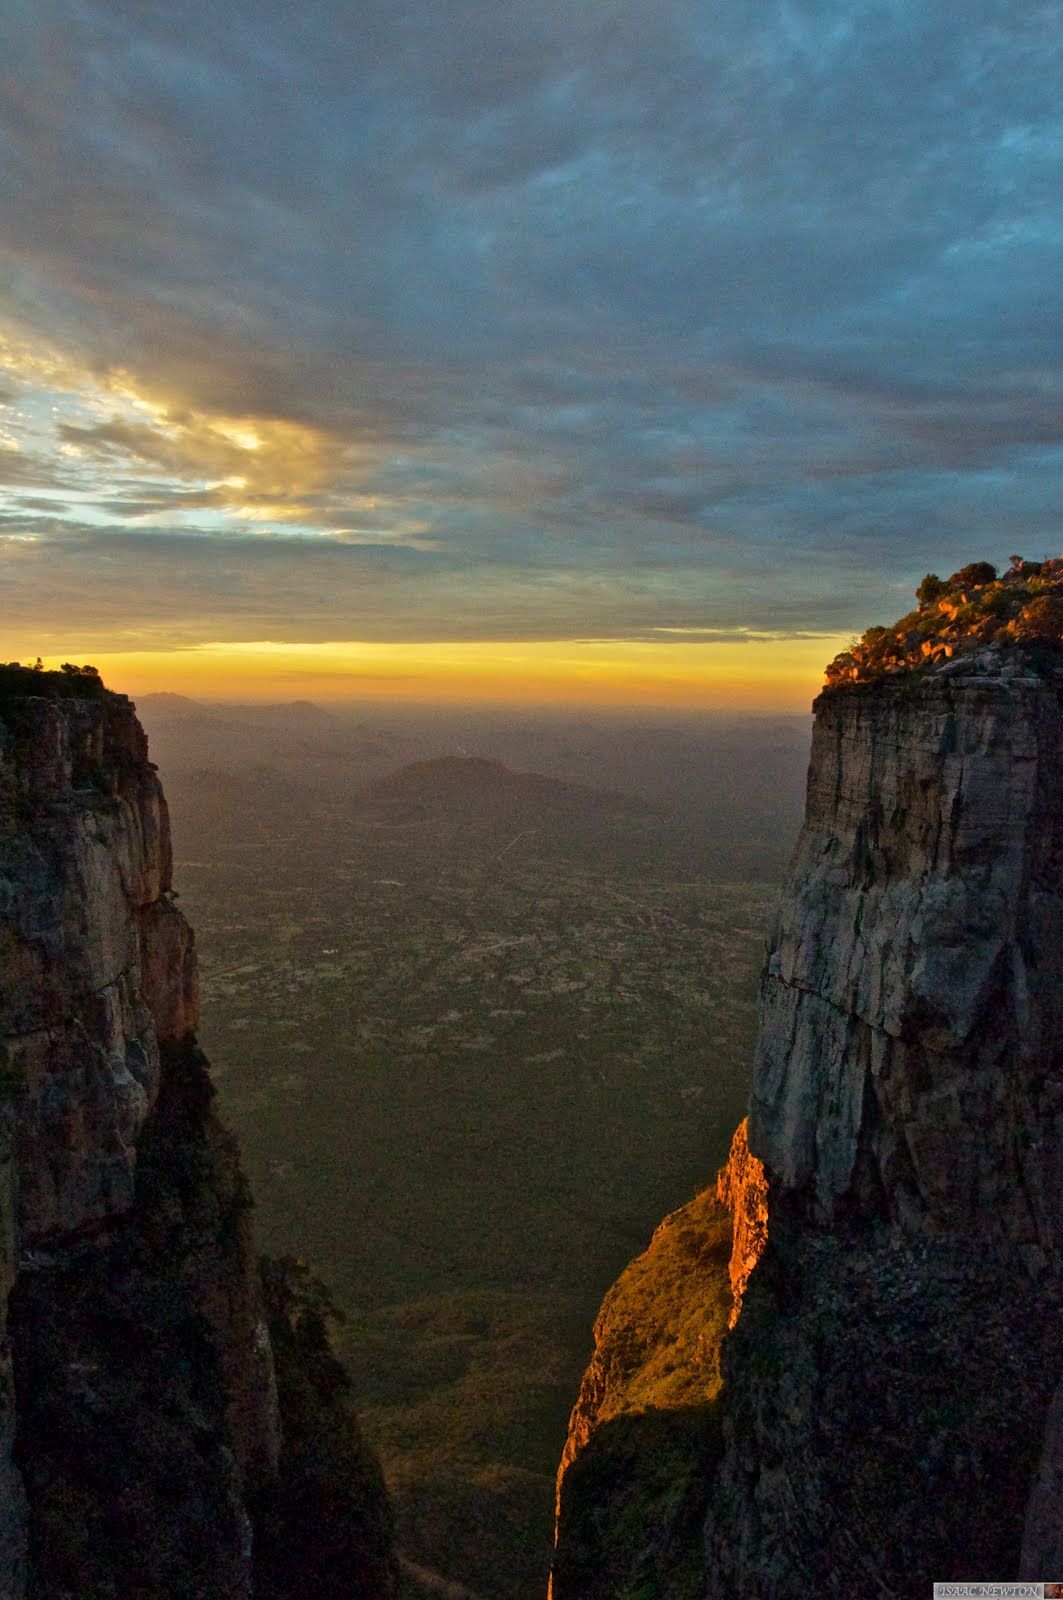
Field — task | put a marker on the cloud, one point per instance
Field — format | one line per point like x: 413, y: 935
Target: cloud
x: 155, y: 587
x: 19, y: 470
x: 590, y: 306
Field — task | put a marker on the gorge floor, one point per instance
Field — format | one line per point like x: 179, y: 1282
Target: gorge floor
x: 468, y: 1084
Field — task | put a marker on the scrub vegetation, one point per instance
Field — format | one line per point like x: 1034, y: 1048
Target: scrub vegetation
x: 956, y: 616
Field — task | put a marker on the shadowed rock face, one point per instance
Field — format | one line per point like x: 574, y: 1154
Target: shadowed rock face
x: 140, y: 1447
x: 890, y: 1411
x: 136, y: 1328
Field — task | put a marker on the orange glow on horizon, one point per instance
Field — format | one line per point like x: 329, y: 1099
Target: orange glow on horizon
x: 764, y: 674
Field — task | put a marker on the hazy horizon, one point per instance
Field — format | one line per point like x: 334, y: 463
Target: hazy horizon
x: 747, y: 677
x: 506, y: 710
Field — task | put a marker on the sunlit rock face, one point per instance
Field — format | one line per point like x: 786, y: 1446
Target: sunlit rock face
x: 643, y: 1436
x: 98, y: 965
x: 742, y: 1189
x: 137, y: 1405
x: 887, y: 1388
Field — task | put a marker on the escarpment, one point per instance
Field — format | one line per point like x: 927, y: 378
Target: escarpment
x: 889, y: 1410
x: 141, y: 1446
x: 912, y: 1004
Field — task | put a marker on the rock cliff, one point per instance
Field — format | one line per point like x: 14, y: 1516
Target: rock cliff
x: 140, y: 1434
x: 644, y: 1435
x: 890, y: 1402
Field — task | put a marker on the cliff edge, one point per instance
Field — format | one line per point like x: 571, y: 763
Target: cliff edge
x: 890, y: 1408
x: 889, y: 1382
x: 141, y: 1449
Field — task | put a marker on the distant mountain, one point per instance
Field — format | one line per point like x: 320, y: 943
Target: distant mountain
x: 190, y: 735
x: 180, y: 706
x: 301, y: 711
x: 166, y: 704
x: 479, y: 787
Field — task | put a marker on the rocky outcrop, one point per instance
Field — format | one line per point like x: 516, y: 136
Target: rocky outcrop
x: 889, y: 1411
x: 140, y: 1429
x: 643, y: 1434
x: 137, y: 1333
x: 742, y: 1189
x: 1042, y: 1540
x: 86, y: 866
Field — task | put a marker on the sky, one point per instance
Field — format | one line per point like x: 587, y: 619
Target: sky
x: 632, y: 350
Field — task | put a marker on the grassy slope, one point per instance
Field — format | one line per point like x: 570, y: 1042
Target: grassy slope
x: 634, y: 1497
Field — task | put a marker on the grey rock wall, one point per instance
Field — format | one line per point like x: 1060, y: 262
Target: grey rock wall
x: 887, y: 1389
x: 912, y: 1003
x: 98, y: 1006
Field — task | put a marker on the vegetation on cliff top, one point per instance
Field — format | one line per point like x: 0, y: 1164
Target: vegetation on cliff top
x: 69, y: 683
x: 958, y: 615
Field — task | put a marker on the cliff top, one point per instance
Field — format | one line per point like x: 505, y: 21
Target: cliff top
x: 69, y: 683
x: 960, y: 616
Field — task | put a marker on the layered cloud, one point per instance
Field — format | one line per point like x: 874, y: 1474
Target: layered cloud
x: 464, y: 320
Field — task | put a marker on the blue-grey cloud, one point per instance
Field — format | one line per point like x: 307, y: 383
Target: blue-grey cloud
x: 631, y: 297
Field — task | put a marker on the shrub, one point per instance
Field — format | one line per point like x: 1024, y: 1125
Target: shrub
x: 974, y: 576
x: 931, y: 588
x: 1041, y: 618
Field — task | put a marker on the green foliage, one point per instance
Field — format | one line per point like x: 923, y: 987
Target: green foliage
x: 634, y: 1499
x: 974, y: 576
x: 393, y: 1001
x: 931, y: 588
x: 302, y: 1309
x: 634, y: 1505
x: 1041, y: 618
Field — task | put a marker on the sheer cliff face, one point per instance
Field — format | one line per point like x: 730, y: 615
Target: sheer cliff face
x: 888, y: 1388
x: 891, y: 1409
x: 97, y: 967
x: 913, y: 1003
x: 139, y: 1406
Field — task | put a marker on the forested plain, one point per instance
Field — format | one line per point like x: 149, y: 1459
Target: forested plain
x: 479, y: 990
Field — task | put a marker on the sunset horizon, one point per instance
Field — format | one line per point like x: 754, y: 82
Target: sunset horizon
x: 663, y: 355
x: 753, y: 677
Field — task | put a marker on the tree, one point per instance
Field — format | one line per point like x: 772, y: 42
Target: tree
x: 974, y: 576
x: 931, y: 589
